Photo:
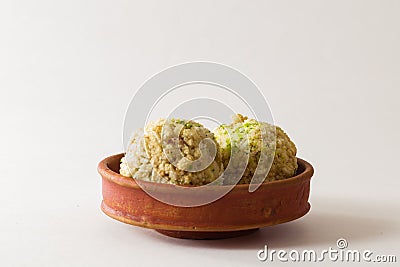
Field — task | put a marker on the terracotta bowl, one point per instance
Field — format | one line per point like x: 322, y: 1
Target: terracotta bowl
x: 238, y: 212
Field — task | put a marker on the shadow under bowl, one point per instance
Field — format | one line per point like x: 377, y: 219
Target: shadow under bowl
x: 237, y: 213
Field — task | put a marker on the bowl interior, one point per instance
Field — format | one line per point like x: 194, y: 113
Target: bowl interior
x: 114, y: 165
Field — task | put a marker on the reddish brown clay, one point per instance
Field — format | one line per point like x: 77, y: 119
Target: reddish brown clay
x: 238, y: 212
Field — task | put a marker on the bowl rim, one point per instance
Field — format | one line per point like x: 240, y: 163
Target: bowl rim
x: 105, y: 171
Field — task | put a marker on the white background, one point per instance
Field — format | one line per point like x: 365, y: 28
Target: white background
x: 68, y: 69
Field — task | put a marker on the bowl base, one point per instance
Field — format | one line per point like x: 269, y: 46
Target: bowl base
x: 205, y: 235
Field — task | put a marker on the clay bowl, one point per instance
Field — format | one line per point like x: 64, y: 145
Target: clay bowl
x: 237, y: 213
